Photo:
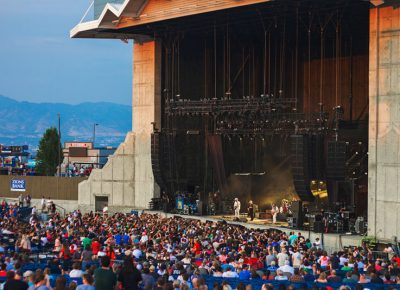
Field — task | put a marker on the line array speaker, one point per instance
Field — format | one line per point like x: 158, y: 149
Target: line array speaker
x: 156, y: 159
x: 336, y: 160
x: 297, y: 210
x: 301, y: 167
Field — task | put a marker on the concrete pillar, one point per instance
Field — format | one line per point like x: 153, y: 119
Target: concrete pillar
x: 384, y: 123
x: 146, y: 109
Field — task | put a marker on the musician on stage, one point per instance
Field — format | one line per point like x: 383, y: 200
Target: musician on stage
x: 274, y: 212
x: 236, y: 207
x: 250, y: 210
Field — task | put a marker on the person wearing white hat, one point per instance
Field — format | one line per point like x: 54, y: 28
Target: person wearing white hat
x: 236, y: 207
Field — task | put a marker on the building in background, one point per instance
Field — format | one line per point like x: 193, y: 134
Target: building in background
x: 15, y: 160
x: 81, y: 157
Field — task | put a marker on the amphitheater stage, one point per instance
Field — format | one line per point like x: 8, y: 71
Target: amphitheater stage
x: 331, y: 241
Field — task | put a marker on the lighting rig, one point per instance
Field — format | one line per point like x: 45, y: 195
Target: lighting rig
x: 264, y: 115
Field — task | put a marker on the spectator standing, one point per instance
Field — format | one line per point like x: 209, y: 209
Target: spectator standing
x: 282, y: 257
x: 14, y: 284
x: 75, y: 272
x: 129, y: 277
x: 21, y: 200
x: 40, y: 281
x: 87, y: 283
x: 104, y: 277
x: 148, y: 279
x: 86, y: 257
x: 43, y: 203
x: 61, y: 283
x: 245, y: 273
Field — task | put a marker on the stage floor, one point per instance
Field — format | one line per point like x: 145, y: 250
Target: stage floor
x: 331, y: 241
x: 255, y: 221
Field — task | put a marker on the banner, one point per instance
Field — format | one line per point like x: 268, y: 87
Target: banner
x: 17, y: 185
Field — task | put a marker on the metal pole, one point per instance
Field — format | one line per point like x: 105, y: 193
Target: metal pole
x: 59, y: 144
x: 94, y: 133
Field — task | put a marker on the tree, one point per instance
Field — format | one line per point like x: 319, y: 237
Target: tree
x: 47, y: 156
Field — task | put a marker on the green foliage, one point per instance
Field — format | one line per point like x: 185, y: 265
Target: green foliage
x: 370, y: 241
x: 47, y: 155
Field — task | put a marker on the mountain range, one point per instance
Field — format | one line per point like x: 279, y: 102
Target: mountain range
x: 23, y: 123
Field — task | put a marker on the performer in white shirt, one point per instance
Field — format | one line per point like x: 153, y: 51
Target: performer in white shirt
x: 274, y: 212
x: 236, y: 207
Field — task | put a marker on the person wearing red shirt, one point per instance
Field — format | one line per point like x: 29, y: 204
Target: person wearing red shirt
x: 111, y: 254
x: 65, y: 256
x: 95, y: 246
x: 196, y: 247
x: 3, y: 271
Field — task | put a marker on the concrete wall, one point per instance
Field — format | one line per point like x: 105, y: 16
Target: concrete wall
x: 127, y: 178
x: 384, y: 123
x: 146, y: 109
x: 115, y: 180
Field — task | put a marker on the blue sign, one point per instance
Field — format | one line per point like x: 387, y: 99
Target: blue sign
x: 17, y: 185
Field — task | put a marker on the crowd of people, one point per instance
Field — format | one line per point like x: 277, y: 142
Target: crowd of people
x: 74, y: 169
x: 146, y: 251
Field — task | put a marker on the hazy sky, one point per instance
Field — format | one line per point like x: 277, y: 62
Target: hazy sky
x: 40, y: 63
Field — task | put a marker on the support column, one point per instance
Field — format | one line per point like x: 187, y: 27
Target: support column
x: 384, y: 123
x: 146, y: 109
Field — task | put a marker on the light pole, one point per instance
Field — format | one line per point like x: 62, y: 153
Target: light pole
x: 59, y: 144
x: 94, y: 133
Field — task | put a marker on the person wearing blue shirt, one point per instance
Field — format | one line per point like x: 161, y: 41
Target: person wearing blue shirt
x: 87, y: 283
x: 227, y: 265
x: 245, y: 273
x: 273, y: 267
x: 126, y: 239
x: 118, y: 238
